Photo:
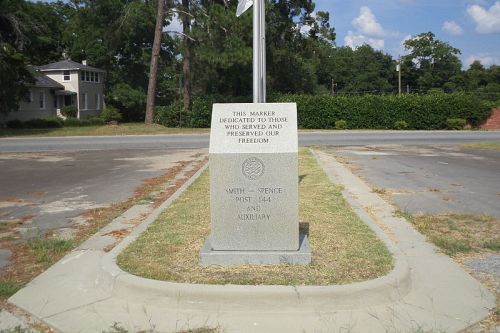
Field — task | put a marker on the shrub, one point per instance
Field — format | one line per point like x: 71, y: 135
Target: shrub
x: 96, y: 121
x: 110, y: 114
x: 422, y: 112
x: 85, y: 122
x: 400, y: 125
x: 455, y: 123
x: 130, y: 102
x: 341, y: 124
x: 70, y: 111
x: 169, y: 115
x: 71, y: 122
x: 15, y: 124
x: 52, y: 122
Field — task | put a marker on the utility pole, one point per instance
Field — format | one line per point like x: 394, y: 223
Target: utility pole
x: 399, y: 75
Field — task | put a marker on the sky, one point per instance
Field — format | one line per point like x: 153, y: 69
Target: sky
x: 473, y: 26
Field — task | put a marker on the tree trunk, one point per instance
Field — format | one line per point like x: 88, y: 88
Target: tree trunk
x: 155, y: 55
x: 186, y: 62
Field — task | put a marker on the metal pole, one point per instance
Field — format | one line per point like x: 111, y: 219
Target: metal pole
x: 399, y: 76
x: 259, y: 52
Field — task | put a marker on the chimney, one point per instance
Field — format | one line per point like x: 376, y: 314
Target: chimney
x: 84, y: 62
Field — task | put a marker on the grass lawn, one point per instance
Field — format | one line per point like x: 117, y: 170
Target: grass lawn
x: 482, y: 145
x: 344, y: 249
x: 108, y: 130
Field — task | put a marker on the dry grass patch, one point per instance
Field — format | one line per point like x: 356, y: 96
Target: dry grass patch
x: 482, y: 145
x: 106, y: 130
x: 459, y: 233
x: 344, y: 249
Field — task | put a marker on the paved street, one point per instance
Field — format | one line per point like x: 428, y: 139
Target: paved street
x: 432, y: 178
x: 306, y: 138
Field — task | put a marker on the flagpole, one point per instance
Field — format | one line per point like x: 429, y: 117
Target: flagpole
x: 259, y: 52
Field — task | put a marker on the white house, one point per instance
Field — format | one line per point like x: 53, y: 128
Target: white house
x: 83, y: 86
x: 63, y: 83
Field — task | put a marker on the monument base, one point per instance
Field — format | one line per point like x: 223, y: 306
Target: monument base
x: 228, y: 258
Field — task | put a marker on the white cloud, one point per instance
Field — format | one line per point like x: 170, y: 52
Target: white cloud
x: 366, y: 23
x: 355, y: 40
x: 487, y: 20
x: 485, y: 59
x: 452, y: 28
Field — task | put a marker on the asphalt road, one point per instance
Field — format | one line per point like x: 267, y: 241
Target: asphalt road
x: 336, y: 138
x: 431, y: 178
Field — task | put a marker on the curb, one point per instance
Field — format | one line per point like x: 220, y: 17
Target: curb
x: 386, y: 289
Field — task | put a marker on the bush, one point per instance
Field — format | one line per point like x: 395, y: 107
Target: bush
x: 110, y: 114
x: 52, y: 122
x: 340, y: 124
x: 15, y: 124
x: 421, y: 112
x: 70, y: 111
x: 130, y: 102
x: 169, y: 115
x: 400, y: 125
x: 71, y: 122
x: 455, y: 123
x: 96, y: 121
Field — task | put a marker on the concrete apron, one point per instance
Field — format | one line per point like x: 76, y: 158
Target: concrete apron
x: 426, y: 291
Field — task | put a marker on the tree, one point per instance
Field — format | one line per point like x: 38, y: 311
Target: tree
x: 433, y: 61
x: 186, y: 55
x: 15, y: 29
x: 150, y: 103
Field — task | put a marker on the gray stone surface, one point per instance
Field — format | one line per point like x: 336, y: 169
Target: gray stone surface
x: 4, y: 257
x: 226, y: 258
x: 254, y: 179
x: 487, y: 264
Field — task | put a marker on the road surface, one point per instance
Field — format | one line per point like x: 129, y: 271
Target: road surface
x: 306, y: 138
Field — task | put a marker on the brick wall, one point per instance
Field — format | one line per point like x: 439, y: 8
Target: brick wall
x: 493, y: 122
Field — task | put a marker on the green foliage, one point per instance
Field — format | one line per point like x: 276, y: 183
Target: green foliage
x: 421, y: 112
x: 451, y: 246
x: 131, y: 102
x: 71, y: 122
x: 48, y: 251
x: 15, y: 124
x: 400, y: 125
x: 455, y: 123
x: 493, y: 245
x: 9, y: 287
x: 52, y: 122
x: 340, y: 124
x: 111, y: 114
x: 96, y: 121
x: 70, y: 111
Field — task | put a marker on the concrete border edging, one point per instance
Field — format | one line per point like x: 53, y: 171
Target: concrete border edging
x: 389, y: 288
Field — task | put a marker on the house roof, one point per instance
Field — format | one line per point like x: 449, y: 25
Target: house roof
x: 67, y: 65
x: 43, y: 81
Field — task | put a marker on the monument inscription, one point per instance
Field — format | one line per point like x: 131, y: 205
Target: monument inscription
x: 254, y: 181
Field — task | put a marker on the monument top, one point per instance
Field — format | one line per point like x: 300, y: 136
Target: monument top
x: 254, y: 128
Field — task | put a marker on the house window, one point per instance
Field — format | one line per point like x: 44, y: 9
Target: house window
x: 84, y: 101
x: 66, y: 76
x: 41, y: 100
x: 96, y: 77
x: 87, y: 76
x: 82, y: 76
x: 29, y: 97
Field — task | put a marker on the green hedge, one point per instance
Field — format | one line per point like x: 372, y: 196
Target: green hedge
x: 420, y: 112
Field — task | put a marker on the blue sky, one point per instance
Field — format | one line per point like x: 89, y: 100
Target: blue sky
x: 473, y: 26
